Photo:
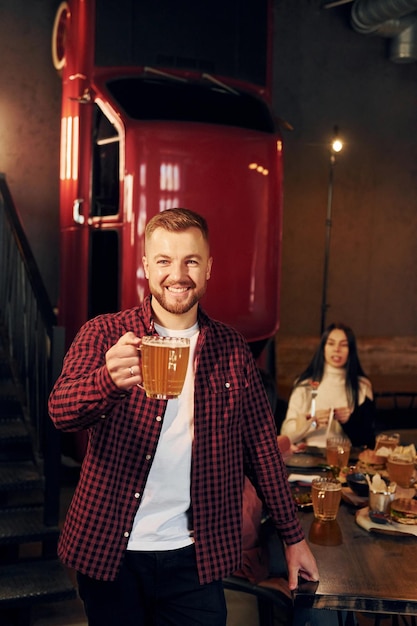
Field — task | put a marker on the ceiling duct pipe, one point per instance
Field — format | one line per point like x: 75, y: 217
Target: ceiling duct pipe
x: 394, y: 19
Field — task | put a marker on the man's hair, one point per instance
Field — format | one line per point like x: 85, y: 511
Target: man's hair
x: 177, y: 220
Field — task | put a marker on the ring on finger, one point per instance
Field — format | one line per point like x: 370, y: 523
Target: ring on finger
x: 131, y: 371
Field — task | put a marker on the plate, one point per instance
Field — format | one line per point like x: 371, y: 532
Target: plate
x: 389, y: 528
x: 302, y: 497
x: 305, y: 461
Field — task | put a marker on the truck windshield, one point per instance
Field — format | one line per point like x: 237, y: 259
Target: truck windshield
x: 156, y: 99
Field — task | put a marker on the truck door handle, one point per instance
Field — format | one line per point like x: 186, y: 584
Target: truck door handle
x: 77, y: 215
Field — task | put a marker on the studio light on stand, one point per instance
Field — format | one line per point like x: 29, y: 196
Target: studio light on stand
x: 335, y: 147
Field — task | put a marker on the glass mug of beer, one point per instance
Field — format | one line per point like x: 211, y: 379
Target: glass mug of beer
x: 164, y: 365
x: 338, y: 450
x: 326, y: 494
x: 387, y: 440
x: 400, y: 470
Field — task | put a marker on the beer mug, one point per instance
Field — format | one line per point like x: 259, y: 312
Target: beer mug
x: 164, y: 365
x: 326, y: 494
x: 338, y: 451
x: 401, y: 470
x: 387, y: 440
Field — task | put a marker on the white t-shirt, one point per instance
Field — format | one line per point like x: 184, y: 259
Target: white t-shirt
x: 161, y: 521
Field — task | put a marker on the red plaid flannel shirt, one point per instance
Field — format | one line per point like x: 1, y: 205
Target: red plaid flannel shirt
x: 234, y: 433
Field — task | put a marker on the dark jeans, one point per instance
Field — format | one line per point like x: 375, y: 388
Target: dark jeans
x: 154, y: 589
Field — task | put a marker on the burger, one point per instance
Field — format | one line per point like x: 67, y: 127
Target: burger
x: 404, y: 510
x: 370, y: 462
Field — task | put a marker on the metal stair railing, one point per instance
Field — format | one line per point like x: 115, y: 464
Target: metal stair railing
x: 34, y: 341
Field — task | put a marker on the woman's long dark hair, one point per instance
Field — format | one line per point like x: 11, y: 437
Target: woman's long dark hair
x: 314, y: 370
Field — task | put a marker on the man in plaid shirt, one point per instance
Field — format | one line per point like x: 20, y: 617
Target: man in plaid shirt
x: 155, y: 522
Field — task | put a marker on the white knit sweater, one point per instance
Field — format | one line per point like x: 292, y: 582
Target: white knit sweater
x: 331, y: 394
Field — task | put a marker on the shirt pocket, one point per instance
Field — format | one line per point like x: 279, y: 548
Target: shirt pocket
x: 226, y: 390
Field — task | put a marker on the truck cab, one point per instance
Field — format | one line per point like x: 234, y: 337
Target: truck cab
x: 163, y: 106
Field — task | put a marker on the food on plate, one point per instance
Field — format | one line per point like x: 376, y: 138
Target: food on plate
x: 404, y: 453
x: 343, y: 474
x: 404, y: 510
x: 302, y: 496
x: 379, y: 485
x: 370, y: 461
x: 383, y: 451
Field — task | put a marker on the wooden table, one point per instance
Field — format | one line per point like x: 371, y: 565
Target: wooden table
x: 365, y: 571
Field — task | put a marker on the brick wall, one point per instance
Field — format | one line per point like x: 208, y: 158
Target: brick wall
x: 390, y: 362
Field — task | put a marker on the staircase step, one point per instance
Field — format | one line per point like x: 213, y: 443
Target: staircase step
x: 9, y: 393
x: 29, y: 582
x: 13, y: 430
x: 8, y: 387
x: 10, y: 406
x: 15, y: 441
x: 20, y: 476
x: 5, y: 369
x: 24, y: 525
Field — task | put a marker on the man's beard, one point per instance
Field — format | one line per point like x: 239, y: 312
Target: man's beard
x: 179, y: 307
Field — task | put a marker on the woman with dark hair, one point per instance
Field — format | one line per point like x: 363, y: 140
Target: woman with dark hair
x: 334, y: 388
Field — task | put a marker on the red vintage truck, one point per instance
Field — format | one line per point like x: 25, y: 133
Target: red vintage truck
x: 168, y: 104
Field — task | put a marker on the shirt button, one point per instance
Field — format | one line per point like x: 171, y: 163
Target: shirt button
x: 158, y: 418
x: 103, y: 416
x: 137, y: 495
x: 227, y: 385
x: 126, y: 534
x: 148, y: 457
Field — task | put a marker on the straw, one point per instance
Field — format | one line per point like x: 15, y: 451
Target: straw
x: 329, y: 423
